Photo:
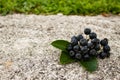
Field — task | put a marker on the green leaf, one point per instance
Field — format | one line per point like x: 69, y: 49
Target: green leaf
x: 60, y: 44
x: 65, y: 58
x: 90, y: 65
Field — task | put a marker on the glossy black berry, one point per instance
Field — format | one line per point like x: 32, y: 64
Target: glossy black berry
x: 78, y: 56
x: 84, y: 49
x: 97, y: 47
x: 79, y: 37
x: 69, y: 47
x: 90, y: 45
x: 87, y: 31
x: 86, y: 57
x: 104, y: 42
x: 95, y: 41
x: 93, y: 52
x: 102, y: 55
x: 76, y: 48
x: 83, y: 42
x: 106, y: 48
x: 74, y: 40
x: 92, y: 35
x: 72, y: 53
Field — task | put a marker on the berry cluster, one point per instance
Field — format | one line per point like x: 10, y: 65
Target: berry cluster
x: 82, y: 48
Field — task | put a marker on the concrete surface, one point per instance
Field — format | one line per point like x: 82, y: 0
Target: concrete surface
x: 26, y: 53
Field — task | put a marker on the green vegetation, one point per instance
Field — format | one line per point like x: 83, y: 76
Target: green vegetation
x: 67, y: 7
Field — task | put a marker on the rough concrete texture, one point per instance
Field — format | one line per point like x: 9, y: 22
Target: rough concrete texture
x: 26, y: 53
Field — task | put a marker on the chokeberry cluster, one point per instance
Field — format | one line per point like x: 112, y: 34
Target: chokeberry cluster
x: 82, y: 48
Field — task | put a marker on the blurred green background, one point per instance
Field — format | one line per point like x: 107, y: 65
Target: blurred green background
x: 67, y: 7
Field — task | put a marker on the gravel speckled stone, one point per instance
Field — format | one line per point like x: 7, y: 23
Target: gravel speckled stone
x: 26, y: 53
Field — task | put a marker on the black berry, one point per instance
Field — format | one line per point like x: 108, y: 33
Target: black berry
x: 83, y: 42
x: 106, y: 48
x: 93, y: 52
x: 87, y: 31
x: 78, y: 56
x: 84, y: 49
x: 72, y: 53
x: 104, y: 42
x: 97, y: 47
x: 69, y: 47
x: 79, y: 37
x: 95, y: 41
x: 92, y: 35
x: 76, y: 48
x: 86, y: 57
x: 74, y: 40
x: 90, y: 45
x: 102, y: 55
